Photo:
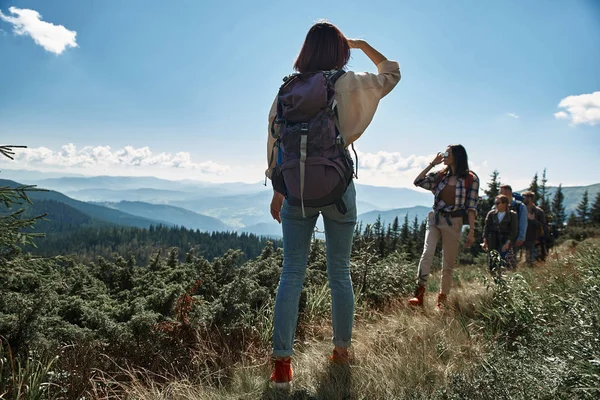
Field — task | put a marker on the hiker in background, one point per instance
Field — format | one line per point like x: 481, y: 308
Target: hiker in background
x: 500, y: 231
x: 456, y: 191
x: 295, y: 204
x: 518, y: 207
x: 536, y: 219
x: 545, y: 241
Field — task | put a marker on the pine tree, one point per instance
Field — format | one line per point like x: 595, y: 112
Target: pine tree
x: 595, y: 211
x: 382, y: 242
x: 491, y: 192
x: 377, y: 226
x: 493, y: 189
x: 533, y: 187
x: 545, y: 204
x: 415, y: 227
x: 395, y: 234
x: 405, y: 235
x: 558, y: 207
x: 572, y: 221
x: 368, y: 233
x: 416, y: 239
x: 13, y: 222
x: 379, y: 232
x: 583, y: 209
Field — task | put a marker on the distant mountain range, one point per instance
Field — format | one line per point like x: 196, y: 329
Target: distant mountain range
x: 96, y: 212
x: 172, y: 215
x: 574, y: 194
x: 143, y: 201
x: 387, y: 217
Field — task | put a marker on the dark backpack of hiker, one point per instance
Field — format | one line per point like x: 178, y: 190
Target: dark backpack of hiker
x: 518, y: 196
x: 315, y: 168
x: 517, y: 206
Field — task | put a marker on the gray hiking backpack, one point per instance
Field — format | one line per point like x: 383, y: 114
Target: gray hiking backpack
x: 315, y: 168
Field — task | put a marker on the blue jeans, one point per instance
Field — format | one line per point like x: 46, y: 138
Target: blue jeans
x: 297, y: 234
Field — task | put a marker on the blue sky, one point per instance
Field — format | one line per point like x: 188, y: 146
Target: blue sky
x: 182, y: 89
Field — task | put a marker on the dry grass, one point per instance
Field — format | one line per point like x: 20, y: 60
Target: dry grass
x: 404, y: 353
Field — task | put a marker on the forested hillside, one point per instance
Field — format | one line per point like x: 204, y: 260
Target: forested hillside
x: 89, y: 243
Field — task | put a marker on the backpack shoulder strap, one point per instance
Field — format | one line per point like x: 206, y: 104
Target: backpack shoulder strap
x: 335, y: 76
x: 287, y: 78
x: 518, y: 204
x: 469, y: 179
x: 278, y: 118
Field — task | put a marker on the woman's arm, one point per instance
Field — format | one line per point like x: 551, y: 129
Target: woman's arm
x: 437, y: 160
x: 375, y: 56
x: 271, y: 152
x: 276, y: 204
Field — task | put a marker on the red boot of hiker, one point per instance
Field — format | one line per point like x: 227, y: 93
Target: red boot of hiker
x: 340, y: 356
x: 418, y: 299
x: 282, y: 373
x: 441, y: 302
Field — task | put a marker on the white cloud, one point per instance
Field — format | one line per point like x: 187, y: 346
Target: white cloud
x: 581, y: 109
x: 390, y: 168
x: 391, y: 162
x: 393, y: 170
x: 515, y: 116
x: 53, y: 38
x: 104, y: 158
x: 561, y: 115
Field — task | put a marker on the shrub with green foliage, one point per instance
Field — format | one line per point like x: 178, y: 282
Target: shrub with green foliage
x: 545, y: 337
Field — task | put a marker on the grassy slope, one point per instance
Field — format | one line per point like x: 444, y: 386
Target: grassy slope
x: 513, y: 345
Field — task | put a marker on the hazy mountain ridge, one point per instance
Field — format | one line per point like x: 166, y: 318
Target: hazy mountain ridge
x: 573, y: 195
x: 173, y: 215
x: 387, y: 217
x: 92, y: 210
x: 234, y: 206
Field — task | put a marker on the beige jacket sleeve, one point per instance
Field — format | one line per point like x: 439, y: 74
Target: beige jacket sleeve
x: 357, y: 95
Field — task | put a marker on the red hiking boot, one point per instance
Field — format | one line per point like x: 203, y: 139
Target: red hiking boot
x: 441, y: 302
x: 418, y: 299
x: 340, y: 356
x: 282, y: 373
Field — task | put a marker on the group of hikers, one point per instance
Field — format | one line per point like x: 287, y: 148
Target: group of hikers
x: 516, y: 225
x: 318, y: 113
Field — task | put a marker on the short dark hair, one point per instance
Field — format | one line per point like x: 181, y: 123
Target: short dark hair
x: 528, y: 193
x: 507, y: 187
x: 325, y: 48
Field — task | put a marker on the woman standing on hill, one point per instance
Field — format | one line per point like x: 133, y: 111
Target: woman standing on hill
x: 456, y: 196
x: 500, y: 231
x: 357, y: 96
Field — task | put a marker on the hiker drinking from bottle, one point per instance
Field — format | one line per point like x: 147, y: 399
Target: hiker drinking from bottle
x: 455, y: 190
x: 500, y: 231
x: 317, y: 113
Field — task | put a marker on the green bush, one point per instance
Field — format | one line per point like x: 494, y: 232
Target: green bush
x: 546, y: 342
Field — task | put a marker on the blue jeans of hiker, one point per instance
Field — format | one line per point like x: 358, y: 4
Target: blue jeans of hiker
x: 297, y: 234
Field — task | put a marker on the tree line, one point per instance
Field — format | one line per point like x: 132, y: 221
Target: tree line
x: 90, y: 242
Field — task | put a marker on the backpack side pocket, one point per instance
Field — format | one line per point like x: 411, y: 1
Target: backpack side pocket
x: 278, y: 181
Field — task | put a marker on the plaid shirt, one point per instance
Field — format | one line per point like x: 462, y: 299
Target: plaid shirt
x: 462, y: 199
